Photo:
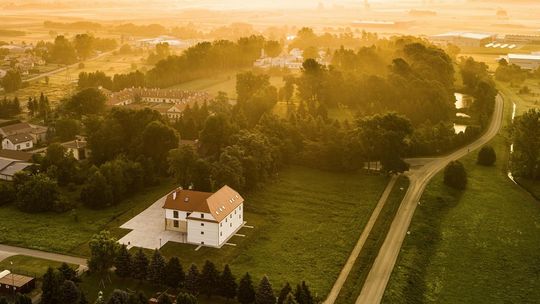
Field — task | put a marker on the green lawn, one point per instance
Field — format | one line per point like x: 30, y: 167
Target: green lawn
x: 31, y: 266
x: 352, y: 287
x: 478, y: 246
x: 305, y: 226
x: 224, y: 82
x: 69, y: 232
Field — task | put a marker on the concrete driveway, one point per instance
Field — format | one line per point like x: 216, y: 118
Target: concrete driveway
x: 148, y: 229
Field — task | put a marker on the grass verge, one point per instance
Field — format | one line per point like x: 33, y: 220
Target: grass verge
x: 353, y: 285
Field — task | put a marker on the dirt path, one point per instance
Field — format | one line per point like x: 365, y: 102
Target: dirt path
x: 332, y: 296
x: 379, y: 275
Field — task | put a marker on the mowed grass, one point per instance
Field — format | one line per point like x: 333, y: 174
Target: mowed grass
x: 69, y: 232
x: 305, y: 225
x: 476, y: 246
x: 220, y: 82
x: 31, y: 266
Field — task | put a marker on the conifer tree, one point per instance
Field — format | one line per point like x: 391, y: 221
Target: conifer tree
x: 156, y: 271
x: 69, y: 293
x: 174, y: 273
x: 192, y: 280
x: 289, y: 299
x: 186, y: 298
x: 265, y: 294
x: 164, y: 299
x: 140, y: 265
x: 123, y: 262
x: 209, y: 279
x: 284, y: 293
x: 246, y: 291
x: 227, y: 284
x: 51, y: 287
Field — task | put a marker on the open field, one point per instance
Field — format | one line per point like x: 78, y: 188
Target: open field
x: 476, y: 246
x: 299, y: 233
x: 69, y: 232
x: 29, y: 265
x: 351, y: 288
x: 64, y: 83
x: 224, y: 82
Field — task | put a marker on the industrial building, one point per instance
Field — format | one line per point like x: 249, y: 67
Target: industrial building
x: 524, y: 61
x: 463, y: 39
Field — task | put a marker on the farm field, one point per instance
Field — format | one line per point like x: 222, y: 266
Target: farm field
x: 476, y: 246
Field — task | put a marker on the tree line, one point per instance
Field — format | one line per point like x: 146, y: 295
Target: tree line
x: 192, y: 282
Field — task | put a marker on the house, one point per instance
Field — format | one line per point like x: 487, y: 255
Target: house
x: 10, y: 167
x: 131, y: 95
x: 11, y: 283
x: 208, y: 219
x: 77, y: 148
x: 21, y: 141
x: 38, y: 133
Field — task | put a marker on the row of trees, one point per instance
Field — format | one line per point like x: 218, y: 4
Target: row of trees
x: 66, y: 51
x: 106, y: 253
x: 10, y: 107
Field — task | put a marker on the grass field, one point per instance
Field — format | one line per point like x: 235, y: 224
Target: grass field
x: 305, y: 225
x: 352, y: 287
x: 224, y: 82
x: 69, y: 232
x: 64, y: 83
x: 476, y: 246
x: 29, y: 265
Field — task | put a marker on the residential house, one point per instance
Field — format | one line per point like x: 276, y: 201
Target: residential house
x: 77, y: 148
x: 38, y: 133
x: 9, y: 167
x: 154, y: 95
x: 21, y: 141
x: 208, y: 219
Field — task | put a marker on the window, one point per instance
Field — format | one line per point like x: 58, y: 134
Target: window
x: 234, y: 211
x: 27, y: 144
x: 175, y: 214
x: 202, y: 243
x: 231, y: 224
x: 202, y: 215
x: 230, y: 216
x: 202, y: 224
x: 202, y: 232
x: 221, y: 234
x: 175, y: 223
x: 220, y: 224
x: 225, y: 220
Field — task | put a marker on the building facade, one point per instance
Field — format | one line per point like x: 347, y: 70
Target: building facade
x: 18, y: 142
x: 208, y: 219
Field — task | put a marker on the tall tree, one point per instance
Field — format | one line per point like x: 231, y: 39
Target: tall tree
x: 103, y: 249
x: 227, y: 284
x: 70, y: 293
x: 186, y: 298
x: 192, y: 284
x: 265, y: 293
x: 285, y: 291
x: 51, y: 287
x: 174, y: 273
x: 209, y: 279
x: 156, y: 269
x: 246, y: 291
x: 122, y: 262
x: 140, y: 265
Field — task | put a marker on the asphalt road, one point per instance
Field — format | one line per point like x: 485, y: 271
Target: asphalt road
x: 12, y: 250
x: 379, y: 275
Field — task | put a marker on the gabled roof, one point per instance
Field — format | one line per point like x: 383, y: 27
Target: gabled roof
x: 15, y: 155
x: 19, y: 138
x: 16, y: 128
x: 14, y: 168
x: 219, y: 204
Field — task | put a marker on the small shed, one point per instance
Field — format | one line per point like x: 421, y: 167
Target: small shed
x: 11, y: 282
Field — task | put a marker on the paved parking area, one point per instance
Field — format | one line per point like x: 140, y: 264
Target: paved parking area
x: 148, y: 229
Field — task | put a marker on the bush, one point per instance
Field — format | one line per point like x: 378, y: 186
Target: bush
x: 486, y: 156
x: 7, y: 193
x: 455, y: 175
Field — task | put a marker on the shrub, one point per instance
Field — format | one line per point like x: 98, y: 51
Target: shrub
x: 486, y: 156
x: 455, y: 175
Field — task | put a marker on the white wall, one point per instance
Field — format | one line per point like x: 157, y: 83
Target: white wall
x: 229, y: 225
x: 202, y: 232
x: 8, y: 145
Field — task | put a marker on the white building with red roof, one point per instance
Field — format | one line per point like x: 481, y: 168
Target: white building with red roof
x: 208, y: 219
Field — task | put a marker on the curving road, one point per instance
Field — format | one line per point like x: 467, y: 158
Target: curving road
x: 379, y: 275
